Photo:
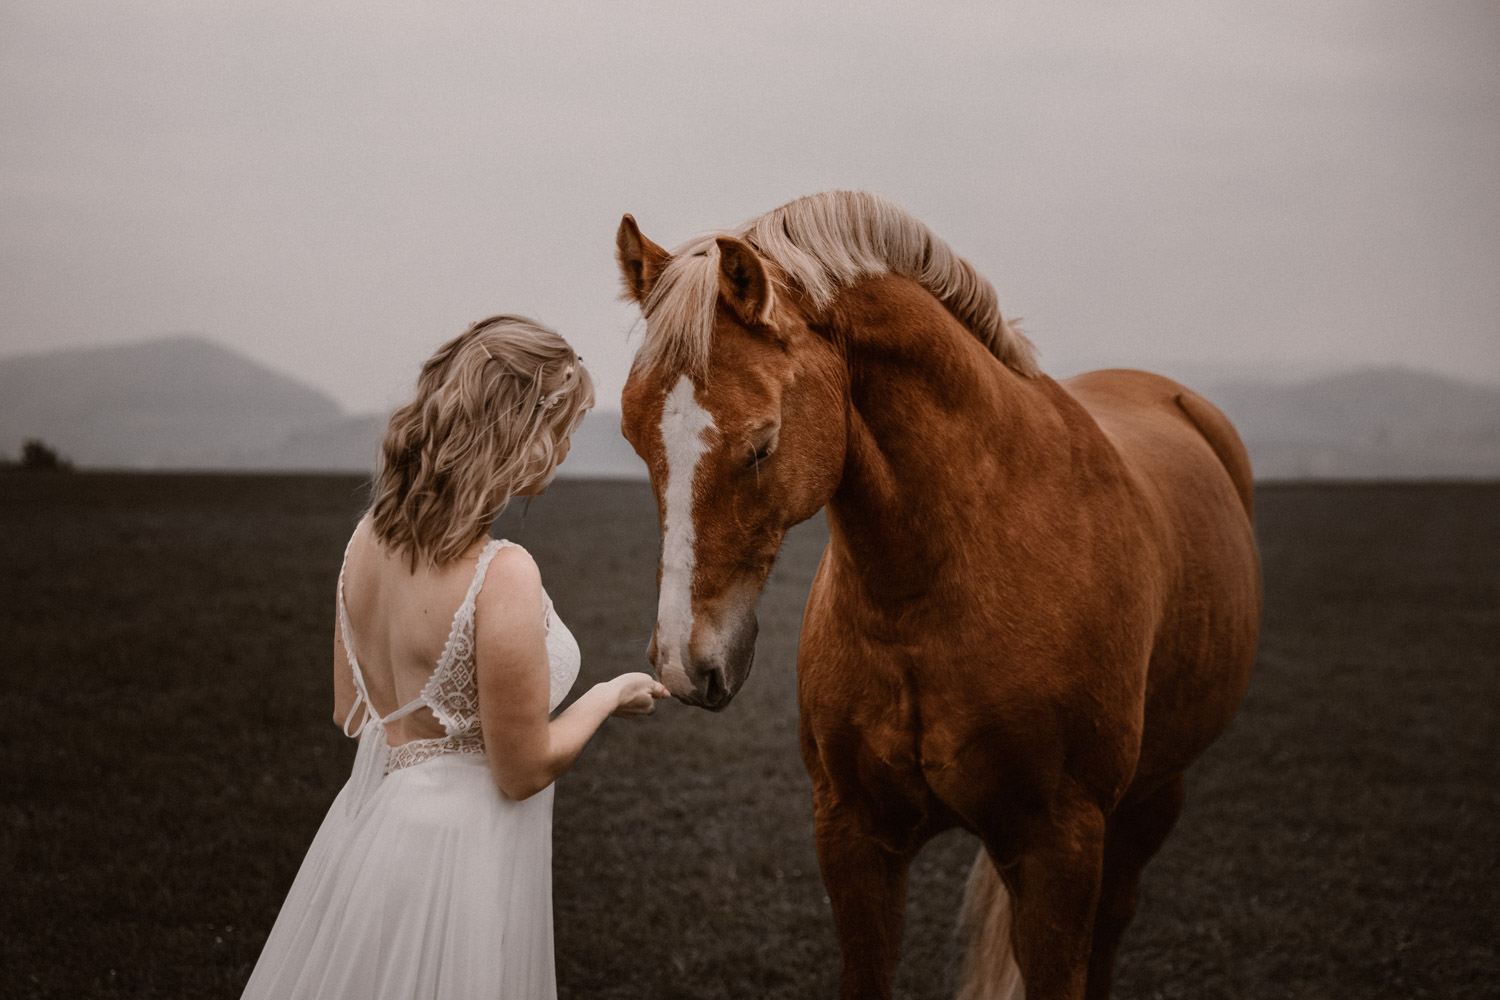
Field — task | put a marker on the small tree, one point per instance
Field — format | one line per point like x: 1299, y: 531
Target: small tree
x: 37, y: 454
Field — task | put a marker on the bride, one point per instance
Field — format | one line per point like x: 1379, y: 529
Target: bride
x: 431, y: 875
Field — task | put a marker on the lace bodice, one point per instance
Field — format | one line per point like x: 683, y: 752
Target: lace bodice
x: 452, y: 692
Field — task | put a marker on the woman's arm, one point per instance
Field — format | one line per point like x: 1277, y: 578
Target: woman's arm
x: 527, y: 751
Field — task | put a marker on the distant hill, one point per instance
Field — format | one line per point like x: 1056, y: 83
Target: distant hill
x: 1368, y: 423
x: 599, y: 449
x: 187, y: 402
x: 176, y: 402
x: 348, y: 444
x: 353, y: 443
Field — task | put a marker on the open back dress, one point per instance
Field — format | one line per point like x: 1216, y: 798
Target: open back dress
x: 424, y: 880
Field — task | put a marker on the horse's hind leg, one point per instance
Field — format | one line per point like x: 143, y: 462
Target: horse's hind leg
x: 1134, y: 834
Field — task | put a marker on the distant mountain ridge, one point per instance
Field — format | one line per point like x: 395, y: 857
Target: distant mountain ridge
x: 352, y: 444
x: 1366, y: 423
x: 187, y: 402
x: 174, y: 402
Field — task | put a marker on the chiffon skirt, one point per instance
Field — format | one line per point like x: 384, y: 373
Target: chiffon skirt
x: 426, y: 883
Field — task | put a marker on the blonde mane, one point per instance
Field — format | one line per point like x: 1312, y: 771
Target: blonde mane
x: 821, y: 244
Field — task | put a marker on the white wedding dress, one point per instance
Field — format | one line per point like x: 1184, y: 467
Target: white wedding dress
x: 424, y: 881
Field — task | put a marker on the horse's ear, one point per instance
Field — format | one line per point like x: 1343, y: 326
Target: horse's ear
x: 641, y: 261
x: 743, y: 281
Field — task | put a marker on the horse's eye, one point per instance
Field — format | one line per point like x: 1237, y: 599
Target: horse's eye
x: 759, y: 453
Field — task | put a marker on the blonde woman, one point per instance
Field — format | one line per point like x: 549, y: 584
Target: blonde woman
x: 431, y: 875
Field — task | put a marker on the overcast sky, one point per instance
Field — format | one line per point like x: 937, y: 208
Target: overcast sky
x: 334, y: 188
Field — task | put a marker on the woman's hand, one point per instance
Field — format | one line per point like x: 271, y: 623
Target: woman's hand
x: 636, y: 694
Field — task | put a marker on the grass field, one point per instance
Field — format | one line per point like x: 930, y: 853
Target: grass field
x: 168, y: 753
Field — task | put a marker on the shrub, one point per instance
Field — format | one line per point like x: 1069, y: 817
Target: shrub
x: 37, y: 454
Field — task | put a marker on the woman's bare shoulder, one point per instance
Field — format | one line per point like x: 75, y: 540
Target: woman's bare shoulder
x: 513, y: 564
x: 512, y: 590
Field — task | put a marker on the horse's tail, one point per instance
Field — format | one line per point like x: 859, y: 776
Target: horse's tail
x: 990, y: 969
x: 1225, y: 442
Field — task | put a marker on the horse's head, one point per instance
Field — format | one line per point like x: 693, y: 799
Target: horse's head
x: 737, y: 407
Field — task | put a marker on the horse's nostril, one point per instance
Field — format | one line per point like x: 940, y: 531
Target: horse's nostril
x: 717, y: 689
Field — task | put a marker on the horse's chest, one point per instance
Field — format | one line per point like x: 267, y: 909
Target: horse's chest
x: 865, y: 730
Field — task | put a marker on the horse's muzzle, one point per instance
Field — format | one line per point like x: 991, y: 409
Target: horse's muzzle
x: 714, y: 669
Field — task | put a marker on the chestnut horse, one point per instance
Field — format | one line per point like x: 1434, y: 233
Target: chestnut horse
x: 1038, y: 605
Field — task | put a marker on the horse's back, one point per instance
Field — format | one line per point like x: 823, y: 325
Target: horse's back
x: 1163, y: 430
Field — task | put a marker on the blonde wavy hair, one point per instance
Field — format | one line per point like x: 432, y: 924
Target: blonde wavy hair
x: 493, y: 408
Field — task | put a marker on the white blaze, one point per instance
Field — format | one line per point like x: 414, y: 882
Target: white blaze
x: 683, y: 423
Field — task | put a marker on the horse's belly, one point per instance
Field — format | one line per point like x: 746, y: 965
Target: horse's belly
x: 1203, y: 654
x: 1194, y: 689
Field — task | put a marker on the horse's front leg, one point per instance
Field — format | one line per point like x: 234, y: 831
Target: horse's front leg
x: 1057, y: 880
x: 864, y: 869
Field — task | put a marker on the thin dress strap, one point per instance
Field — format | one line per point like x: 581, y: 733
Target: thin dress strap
x: 361, y: 696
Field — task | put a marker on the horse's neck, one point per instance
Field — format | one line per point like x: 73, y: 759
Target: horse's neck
x: 942, y: 439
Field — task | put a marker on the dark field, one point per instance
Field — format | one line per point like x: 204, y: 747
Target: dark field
x: 168, y: 753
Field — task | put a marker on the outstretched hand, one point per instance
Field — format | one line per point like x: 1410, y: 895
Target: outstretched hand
x: 637, y: 694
